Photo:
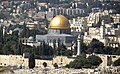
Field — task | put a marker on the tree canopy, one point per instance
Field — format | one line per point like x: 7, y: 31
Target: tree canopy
x: 117, y: 62
x: 95, y: 46
x: 44, y: 64
x: 94, y: 60
x: 31, y: 60
x: 83, y: 62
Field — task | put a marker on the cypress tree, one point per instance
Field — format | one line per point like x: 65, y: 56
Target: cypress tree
x: 31, y: 60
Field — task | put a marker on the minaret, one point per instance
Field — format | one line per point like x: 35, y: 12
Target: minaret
x: 102, y: 29
x: 79, y: 45
x: 4, y: 31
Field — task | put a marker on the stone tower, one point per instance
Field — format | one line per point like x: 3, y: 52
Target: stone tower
x: 102, y: 29
x: 4, y: 30
x: 79, y: 45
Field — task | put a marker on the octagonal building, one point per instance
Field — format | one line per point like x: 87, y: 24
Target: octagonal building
x: 58, y: 31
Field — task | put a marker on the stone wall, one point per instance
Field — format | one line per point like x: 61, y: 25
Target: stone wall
x: 18, y: 60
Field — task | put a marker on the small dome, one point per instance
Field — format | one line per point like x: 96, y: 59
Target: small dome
x: 59, y: 22
x: 112, y: 11
x: 30, y: 38
x: 16, y: 29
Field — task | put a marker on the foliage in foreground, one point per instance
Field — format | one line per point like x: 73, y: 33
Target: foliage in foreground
x: 31, y: 61
x: 44, y: 64
x: 83, y: 62
x: 117, y: 62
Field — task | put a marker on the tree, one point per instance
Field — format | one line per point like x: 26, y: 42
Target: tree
x: 31, y: 60
x: 116, y: 51
x: 78, y: 62
x: 95, y: 46
x: 117, y: 62
x: 1, y: 35
x: 67, y: 65
x: 69, y: 53
x: 46, y: 50
x: 94, y: 60
x: 87, y: 65
x: 83, y: 62
x: 83, y: 47
x: 2, y: 16
x: 108, y: 50
x: 44, y: 64
x: 10, y: 44
x: 82, y: 56
x: 61, y: 50
x: 55, y: 65
x: 25, y: 32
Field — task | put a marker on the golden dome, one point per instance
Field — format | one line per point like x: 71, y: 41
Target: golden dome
x: 59, y: 22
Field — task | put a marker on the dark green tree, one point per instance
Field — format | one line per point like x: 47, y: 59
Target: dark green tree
x: 117, y: 62
x: 61, y: 50
x: 83, y: 62
x: 87, y: 65
x: 83, y: 47
x: 25, y: 32
x: 2, y: 16
x: 44, y: 64
x: 67, y: 65
x: 95, y: 46
x: 10, y: 44
x: 55, y: 65
x: 46, y: 50
x: 78, y: 62
x: 94, y: 60
x: 1, y: 35
x: 108, y: 50
x: 69, y: 53
x: 116, y: 51
x: 31, y: 60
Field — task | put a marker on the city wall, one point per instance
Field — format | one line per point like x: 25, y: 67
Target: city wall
x: 19, y: 60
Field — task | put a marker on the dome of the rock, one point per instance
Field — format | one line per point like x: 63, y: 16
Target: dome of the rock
x: 59, y: 22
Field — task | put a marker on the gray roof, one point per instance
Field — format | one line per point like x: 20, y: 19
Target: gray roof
x: 57, y: 35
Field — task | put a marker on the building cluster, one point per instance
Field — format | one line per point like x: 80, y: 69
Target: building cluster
x: 101, y: 25
x: 63, y: 23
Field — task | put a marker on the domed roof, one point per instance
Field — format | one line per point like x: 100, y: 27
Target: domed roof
x: 59, y: 22
x: 31, y: 38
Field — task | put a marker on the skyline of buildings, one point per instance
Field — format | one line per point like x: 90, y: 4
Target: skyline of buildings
x: 58, y: 32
